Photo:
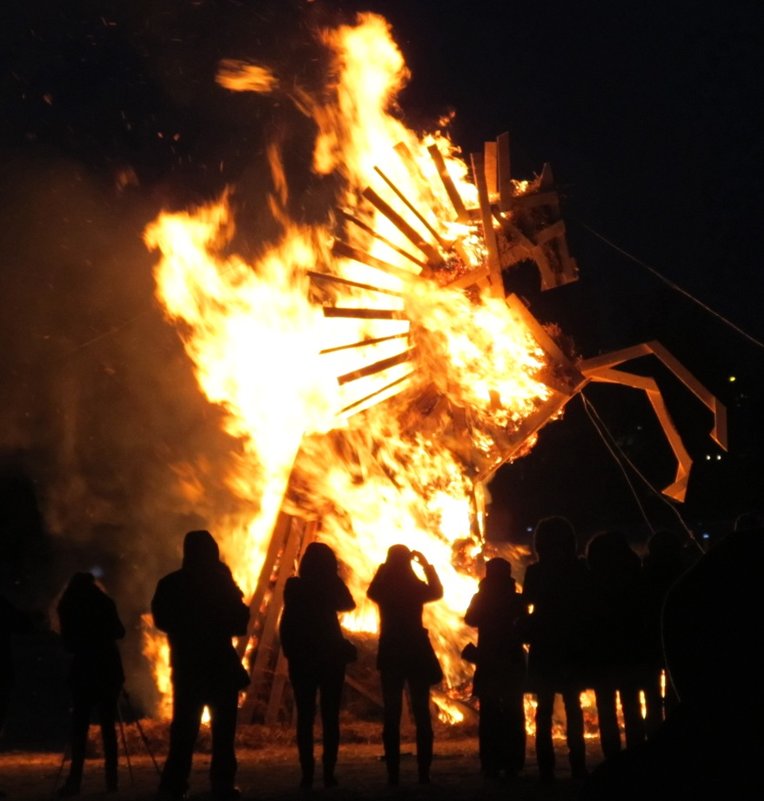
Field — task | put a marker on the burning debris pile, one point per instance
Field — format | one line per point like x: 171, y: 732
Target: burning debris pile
x: 371, y: 369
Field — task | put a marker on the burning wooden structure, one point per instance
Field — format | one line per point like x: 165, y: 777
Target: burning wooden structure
x: 518, y: 221
x: 412, y: 375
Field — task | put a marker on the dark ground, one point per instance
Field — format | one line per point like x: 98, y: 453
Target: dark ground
x: 271, y: 773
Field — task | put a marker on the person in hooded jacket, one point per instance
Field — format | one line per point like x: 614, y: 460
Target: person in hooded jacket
x: 317, y: 653
x: 499, y: 683
x: 201, y: 609
x: 405, y: 655
x: 90, y: 627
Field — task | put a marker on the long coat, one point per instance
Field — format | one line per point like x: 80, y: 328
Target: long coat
x: 201, y: 610
x: 558, y: 631
x: 496, y: 610
x: 404, y: 646
x: 310, y: 632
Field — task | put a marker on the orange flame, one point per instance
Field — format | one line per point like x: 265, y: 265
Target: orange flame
x: 375, y: 418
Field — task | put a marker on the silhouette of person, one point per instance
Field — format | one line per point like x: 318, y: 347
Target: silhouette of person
x: 200, y: 607
x: 662, y: 565
x: 317, y: 653
x: 405, y: 656
x: 499, y: 683
x: 619, y: 640
x: 556, y: 589
x: 711, y: 744
x: 90, y: 627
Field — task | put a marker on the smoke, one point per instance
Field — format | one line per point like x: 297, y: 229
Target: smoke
x: 99, y: 407
x: 109, y: 118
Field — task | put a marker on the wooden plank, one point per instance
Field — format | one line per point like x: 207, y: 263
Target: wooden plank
x: 276, y: 698
x: 268, y: 644
x: 355, y: 407
x: 364, y: 314
x: 491, y: 168
x: 407, y: 230
x: 566, y: 376
x: 278, y: 537
x: 410, y: 206
x: 336, y: 279
x: 678, y: 489
x: 504, y: 176
x: 369, y: 230
x: 529, y: 426
x: 462, y: 215
x: 489, y: 235
x: 345, y: 251
x: 711, y: 402
x: 376, y: 367
x: 364, y: 343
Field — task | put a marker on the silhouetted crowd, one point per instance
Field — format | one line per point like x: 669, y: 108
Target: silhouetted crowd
x: 669, y: 643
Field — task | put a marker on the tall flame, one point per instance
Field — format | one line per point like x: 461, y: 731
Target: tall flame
x: 363, y: 390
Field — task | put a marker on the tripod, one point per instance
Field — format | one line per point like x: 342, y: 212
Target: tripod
x: 120, y: 721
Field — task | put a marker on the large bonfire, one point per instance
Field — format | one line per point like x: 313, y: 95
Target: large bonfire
x: 370, y: 368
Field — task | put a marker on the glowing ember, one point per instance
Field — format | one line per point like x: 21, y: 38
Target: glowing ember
x: 365, y: 391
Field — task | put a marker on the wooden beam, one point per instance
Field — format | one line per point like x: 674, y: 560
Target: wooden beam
x: 719, y: 432
x: 410, y: 206
x: 281, y: 671
x: 504, y: 177
x: 355, y: 406
x: 678, y: 488
x: 491, y: 168
x: 369, y: 230
x: 364, y: 343
x: 336, y: 279
x: 407, y: 230
x: 364, y: 314
x: 462, y: 215
x: 345, y: 251
x: 529, y: 426
x: 376, y: 367
x: 489, y: 235
x: 564, y: 376
x: 267, y: 650
x: 275, y: 544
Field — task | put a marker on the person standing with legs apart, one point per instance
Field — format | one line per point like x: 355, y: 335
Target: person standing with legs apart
x: 200, y: 607
x: 90, y: 628
x: 317, y: 653
x: 405, y: 655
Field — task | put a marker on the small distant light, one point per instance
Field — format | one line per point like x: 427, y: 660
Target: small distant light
x: 708, y: 457
x: 733, y: 379
x: 529, y: 529
x: 705, y: 535
x: 718, y: 457
x: 97, y: 571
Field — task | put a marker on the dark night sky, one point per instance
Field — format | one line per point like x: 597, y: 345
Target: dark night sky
x: 648, y: 117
